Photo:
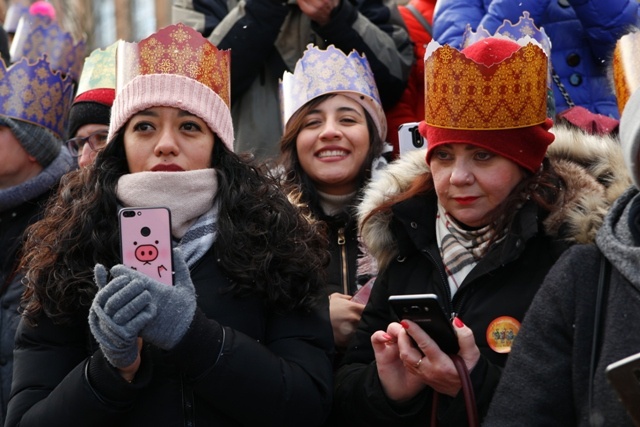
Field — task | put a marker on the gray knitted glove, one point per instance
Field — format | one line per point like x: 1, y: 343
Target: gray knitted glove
x: 175, y: 305
x: 118, y: 312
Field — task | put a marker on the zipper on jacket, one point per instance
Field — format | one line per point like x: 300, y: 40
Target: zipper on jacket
x: 443, y: 276
x: 343, y: 259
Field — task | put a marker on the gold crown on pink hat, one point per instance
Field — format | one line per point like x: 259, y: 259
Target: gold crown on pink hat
x: 34, y: 93
x: 174, y: 67
x: 178, y: 50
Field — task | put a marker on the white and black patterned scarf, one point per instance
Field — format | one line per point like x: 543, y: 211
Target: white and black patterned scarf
x: 460, y: 249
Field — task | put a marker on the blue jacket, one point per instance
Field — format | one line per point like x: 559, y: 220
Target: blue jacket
x: 583, y: 34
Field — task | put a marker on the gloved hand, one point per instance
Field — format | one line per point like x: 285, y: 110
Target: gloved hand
x: 174, y: 305
x: 118, y: 313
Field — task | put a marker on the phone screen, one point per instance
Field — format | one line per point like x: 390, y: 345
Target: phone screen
x: 145, y: 242
x: 425, y: 310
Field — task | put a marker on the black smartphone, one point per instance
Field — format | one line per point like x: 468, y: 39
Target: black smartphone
x: 624, y: 377
x: 425, y: 310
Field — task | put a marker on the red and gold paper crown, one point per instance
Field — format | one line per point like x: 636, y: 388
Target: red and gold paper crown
x: 176, y: 49
x: 38, y: 35
x: 33, y: 92
x: 463, y: 94
x: 626, y: 67
x: 174, y: 67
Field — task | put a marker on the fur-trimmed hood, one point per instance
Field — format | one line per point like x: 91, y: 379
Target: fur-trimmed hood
x: 591, y: 166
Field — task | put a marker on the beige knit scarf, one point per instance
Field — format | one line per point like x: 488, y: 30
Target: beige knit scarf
x: 187, y: 194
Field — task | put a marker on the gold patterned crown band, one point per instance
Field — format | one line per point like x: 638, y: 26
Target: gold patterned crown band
x: 33, y: 92
x: 626, y: 67
x: 38, y: 35
x: 463, y: 94
x: 178, y: 50
x: 320, y: 72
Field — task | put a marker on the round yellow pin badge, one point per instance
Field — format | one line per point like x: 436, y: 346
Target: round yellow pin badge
x: 501, y: 333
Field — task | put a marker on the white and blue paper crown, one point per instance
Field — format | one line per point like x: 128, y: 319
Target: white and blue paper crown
x: 321, y: 72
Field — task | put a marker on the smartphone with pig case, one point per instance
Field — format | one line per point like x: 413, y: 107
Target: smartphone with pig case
x: 425, y: 310
x: 145, y: 241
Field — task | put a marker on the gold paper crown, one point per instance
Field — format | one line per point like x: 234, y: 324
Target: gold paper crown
x: 626, y: 67
x: 176, y: 49
x: 33, y: 92
x: 99, y: 71
x: 464, y: 94
x: 38, y: 35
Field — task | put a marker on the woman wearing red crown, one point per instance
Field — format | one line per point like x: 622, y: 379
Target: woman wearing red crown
x: 478, y: 225
x: 242, y: 337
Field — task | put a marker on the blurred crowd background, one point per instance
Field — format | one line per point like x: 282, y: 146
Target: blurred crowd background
x: 105, y: 21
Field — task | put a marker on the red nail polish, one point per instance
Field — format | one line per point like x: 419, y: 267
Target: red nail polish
x: 458, y: 322
x: 404, y: 324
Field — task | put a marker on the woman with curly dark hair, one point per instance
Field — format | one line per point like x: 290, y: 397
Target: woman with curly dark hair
x: 241, y: 338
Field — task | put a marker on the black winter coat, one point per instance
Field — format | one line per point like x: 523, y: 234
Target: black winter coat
x: 263, y: 369
x: 502, y: 284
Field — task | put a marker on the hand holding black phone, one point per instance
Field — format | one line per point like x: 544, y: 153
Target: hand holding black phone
x: 425, y: 310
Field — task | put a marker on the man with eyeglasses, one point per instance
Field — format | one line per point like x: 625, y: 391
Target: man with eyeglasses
x: 89, y: 124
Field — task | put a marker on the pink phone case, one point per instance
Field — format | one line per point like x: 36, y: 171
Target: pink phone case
x: 145, y: 241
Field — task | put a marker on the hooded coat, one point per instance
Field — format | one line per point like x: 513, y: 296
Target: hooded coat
x: 503, y: 283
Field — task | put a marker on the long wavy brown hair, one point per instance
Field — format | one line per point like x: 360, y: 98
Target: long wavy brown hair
x: 266, y: 246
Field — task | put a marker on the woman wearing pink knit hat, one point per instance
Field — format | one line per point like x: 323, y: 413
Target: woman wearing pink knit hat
x: 477, y: 221
x: 241, y: 338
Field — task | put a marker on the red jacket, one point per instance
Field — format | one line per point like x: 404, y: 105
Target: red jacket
x: 410, y: 108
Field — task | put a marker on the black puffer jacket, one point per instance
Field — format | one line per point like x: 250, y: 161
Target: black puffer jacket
x: 286, y: 381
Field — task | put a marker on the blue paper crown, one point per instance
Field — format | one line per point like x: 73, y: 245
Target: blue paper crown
x: 320, y: 72
x: 34, y: 93
x: 38, y: 35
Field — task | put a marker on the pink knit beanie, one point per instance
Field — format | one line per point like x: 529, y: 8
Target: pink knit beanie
x: 172, y: 90
x: 174, y: 67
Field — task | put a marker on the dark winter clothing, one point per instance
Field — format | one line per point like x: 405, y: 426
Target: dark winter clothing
x: 267, y: 38
x: 503, y: 283
x: 288, y: 374
x: 583, y: 35
x: 546, y: 380
x: 20, y: 206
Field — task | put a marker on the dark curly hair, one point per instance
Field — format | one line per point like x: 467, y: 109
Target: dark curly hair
x: 295, y: 177
x: 266, y: 246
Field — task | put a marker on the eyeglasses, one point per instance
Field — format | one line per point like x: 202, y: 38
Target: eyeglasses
x: 96, y: 141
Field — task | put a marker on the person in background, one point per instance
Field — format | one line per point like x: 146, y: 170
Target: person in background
x: 586, y: 307
x: 332, y: 144
x: 418, y: 17
x: 267, y: 38
x: 583, y: 34
x: 242, y: 337
x: 91, y: 108
x: 478, y: 224
x: 33, y: 161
